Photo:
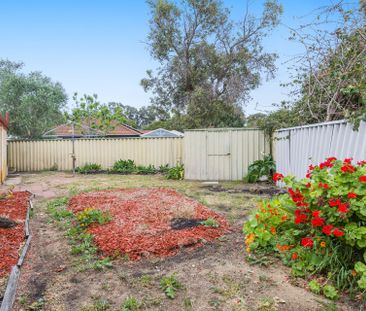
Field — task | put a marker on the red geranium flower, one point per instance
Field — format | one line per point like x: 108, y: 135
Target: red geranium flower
x: 352, y: 195
x: 323, y: 185
x: 308, y: 175
x: 316, y: 213
x: 343, y: 208
x: 311, y: 167
x: 317, y: 222
x: 308, y: 185
x: 300, y: 218
x: 277, y: 176
x: 307, y: 242
x: 348, y: 168
x: 327, y: 229
x: 363, y: 162
x: 362, y: 179
x: 338, y: 233
x: 348, y: 160
x: 334, y: 202
x: 331, y: 159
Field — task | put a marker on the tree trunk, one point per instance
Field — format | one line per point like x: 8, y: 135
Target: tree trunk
x: 6, y: 223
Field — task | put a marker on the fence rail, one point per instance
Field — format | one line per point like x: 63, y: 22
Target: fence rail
x: 298, y: 147
x: 38, y: 155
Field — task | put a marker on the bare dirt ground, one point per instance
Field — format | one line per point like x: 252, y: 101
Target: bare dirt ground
x: 214, y: 277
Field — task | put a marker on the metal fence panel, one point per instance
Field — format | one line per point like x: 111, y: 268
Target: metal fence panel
x: 298, y: 147
x: 222, y: 154
x: 38, y: 155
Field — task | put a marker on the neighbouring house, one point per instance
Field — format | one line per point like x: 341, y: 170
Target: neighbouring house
x: 65, y: 131
x: 162, y: 133
x: 4, y: 122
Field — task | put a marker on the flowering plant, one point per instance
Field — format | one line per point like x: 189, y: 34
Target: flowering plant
x: 320, y: 225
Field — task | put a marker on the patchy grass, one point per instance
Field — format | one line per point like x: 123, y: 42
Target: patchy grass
x: 213, y: 277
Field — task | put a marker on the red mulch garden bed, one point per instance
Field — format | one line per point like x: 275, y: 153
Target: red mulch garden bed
x: 142, y: 222
x: 11, y: 239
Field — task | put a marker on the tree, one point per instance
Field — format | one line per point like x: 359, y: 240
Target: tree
x: 330, y: 84
x: 33, y: 101
x: 208, y: 63
x: 89, y: 114
x: 138, y: 117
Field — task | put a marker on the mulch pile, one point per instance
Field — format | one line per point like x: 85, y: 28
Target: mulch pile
x: 142, y: 222
x: 11, y: 239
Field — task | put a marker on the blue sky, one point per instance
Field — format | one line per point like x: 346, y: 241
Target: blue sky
x: 98, y: 46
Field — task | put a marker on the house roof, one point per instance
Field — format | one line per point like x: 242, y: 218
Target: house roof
x: 162, y: 133
x: 65, y: 130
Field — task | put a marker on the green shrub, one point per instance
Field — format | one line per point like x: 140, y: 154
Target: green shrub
x: 261, y: 168
x: 146, y: 170
x: 170, y: 285
x: 89, y: 168
x: 163, y: 169
x: 176, y: 172
x: 124, y: 167
x: 319, y: 227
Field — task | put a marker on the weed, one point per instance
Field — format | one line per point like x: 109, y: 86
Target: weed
x: 210, y: 222
x: 98, y: 305
x: 266, y: 304
x: 131, y: 304
x: 170, y: 285
x: 36, y: 306
x: 187, y: 304
x: 57, y: 209
x: 315, y: 286
x: 91, y: 215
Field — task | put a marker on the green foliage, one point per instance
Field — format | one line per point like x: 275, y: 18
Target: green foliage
x: 98, y: 305
x: 261, y: 168
x: 319, y: 226
x: 124, y: 167
x: 163, y: 169
x: 222, y: 61
x: 57, y: 209
x: 34, y: 101
x: 89, y: 168
x: 131, y: 304
x: 210, y: 222
x: 81, y: 241
x: 170, y: 285
x: 315, y: 286
x: 91, y: 215
x: 146, y: 170
x: 93, y: 118
x: 330, y: 78
x: 330, y: 292
x: 176, y: 172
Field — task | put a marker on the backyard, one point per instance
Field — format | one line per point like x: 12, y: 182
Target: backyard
x: 64, y: 272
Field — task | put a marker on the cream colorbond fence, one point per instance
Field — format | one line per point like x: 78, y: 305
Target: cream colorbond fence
x: 38, y: 155
x: 222, y: 154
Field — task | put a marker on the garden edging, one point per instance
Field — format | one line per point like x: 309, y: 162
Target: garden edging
x: 10, y: 292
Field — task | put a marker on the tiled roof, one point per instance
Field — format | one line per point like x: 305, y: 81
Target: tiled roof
x: 65, y: 130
